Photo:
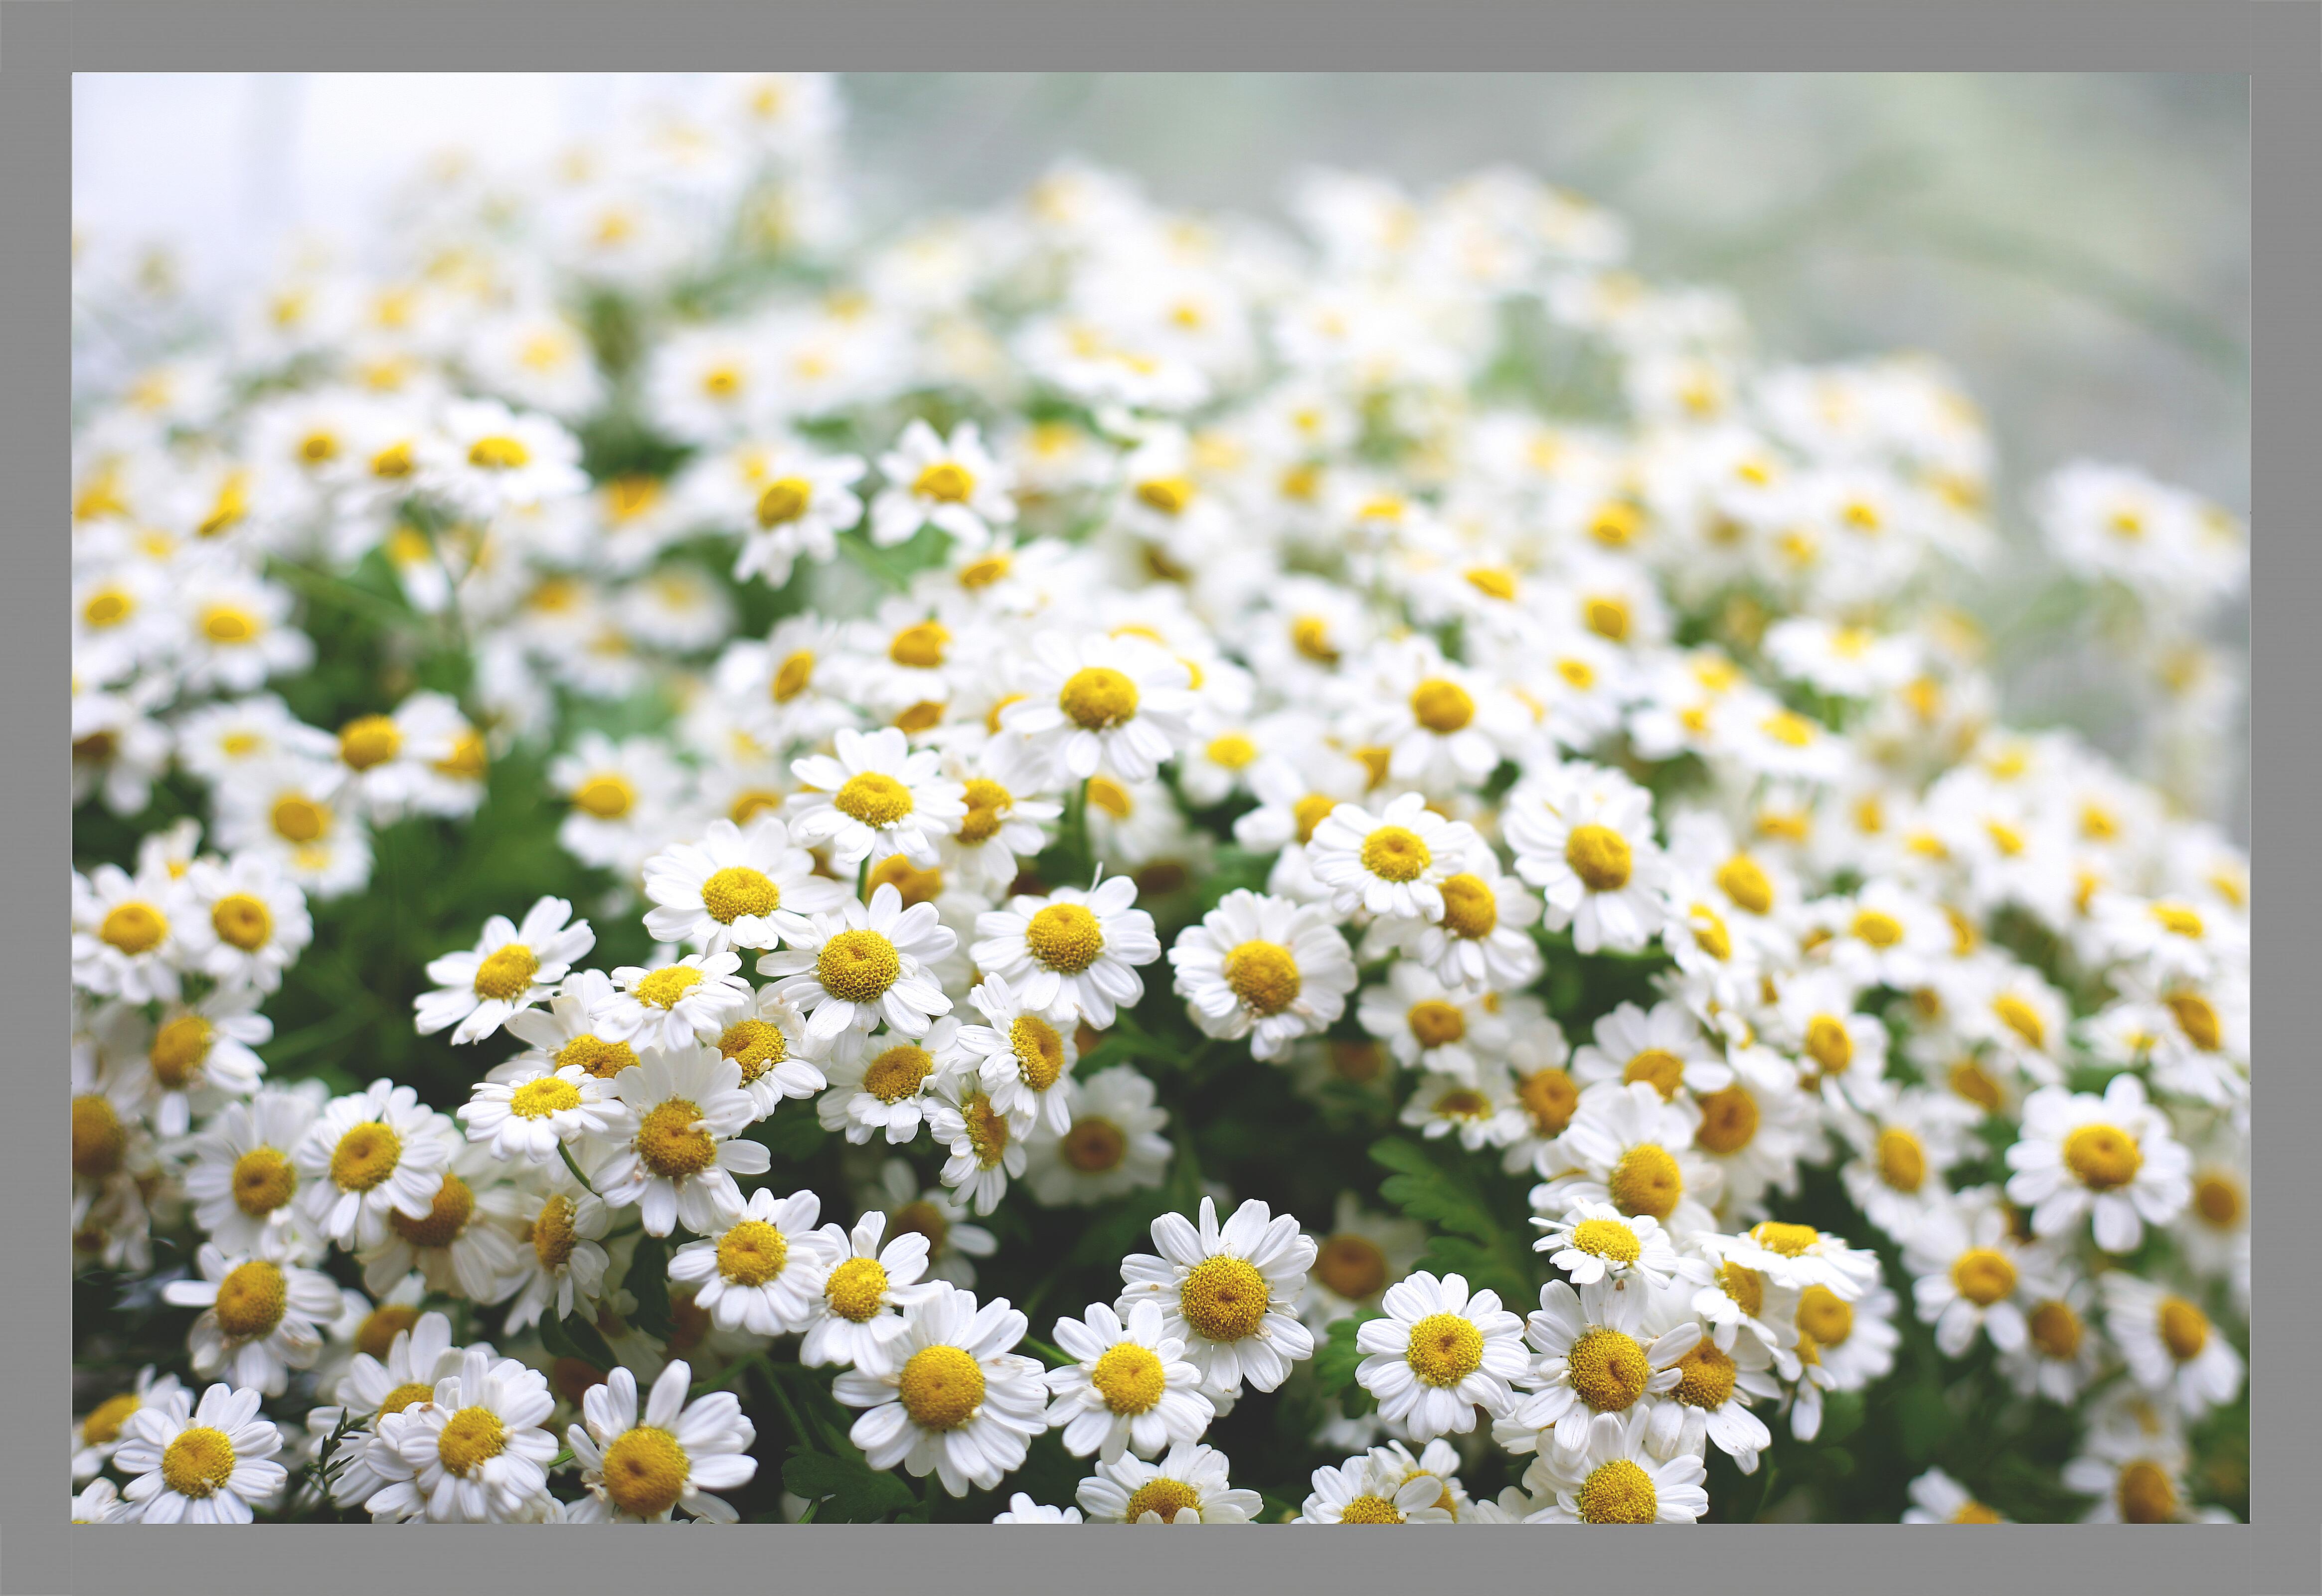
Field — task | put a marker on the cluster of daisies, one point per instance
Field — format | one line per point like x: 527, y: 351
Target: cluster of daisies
x: 1333, y: 651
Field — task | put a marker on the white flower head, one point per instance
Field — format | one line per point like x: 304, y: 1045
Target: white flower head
x: 204, y: 1466
x: 736, y: 888
x: 1072, y: 948
x: 865, y: 963
x: 949, y: 1398
x: 1391, y: 864
x: 638, y: 1468
x: 764, y: 1273
x: 1130, y: 1387
x: 1439, y: 1354
x: 674, y: 1005
x: 1229, y: 1293
x: 510, y: 969
x: 679, y: 1165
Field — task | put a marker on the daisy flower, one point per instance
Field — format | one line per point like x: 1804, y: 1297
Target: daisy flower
x: 1662, y: 1046
x: 950, y: 484
x: 1612, y: 1477
x: 533, y: 1110
x: 510, y: 969
x: 561, y: 1260
x: 770, y: 1043
x: 478, y: 1451
x: 637, y: 1470
x: 97, y: 1436
x: 1904, y: 1141
x: 860, y: 1311
x: 1483, y: 938
x: 689, y: 1109
x: 1841, y: 1345
x: 1187, y: 1485
x: 674, y: 1005
x: 1598, y: 1358
x: 2171, y: 1348
x: 2111, y: 1159
x: 1476, y: 1111
x: 763, y: 1273
x: 2062, y: 1352
x: 242, y: 1181
x: 372, y: 1153
x: 931, y: 1211
x: 736, y: 888
x: 196, y: 1058
x: 1129, y: 1388
x: 1371, y: 1489
x: 1070, y: 948
x: 799, y: 504
x: 875, y: 796
x: 1004, y: 825
x: 1110, y: 1145
x: 1442, y: 726
x: 865, y: 963
x: 986, y: 1144
x: 1835, y: 1046
x: 1100, y: 704
x: 205, y: 1466
x: 1428, y: 1025
x: 949, y: 1398
x: 1026, y: 1058
x: 622, y: 795
x: 1968, y: 1273
x: 1800, y: 1257
x: 465, y: 1245
x: 124, y: 941
x: 1628, y: 1148
x: 1938, y: 1498
x: 1710, y: 1406
x: 498, y: 458
x: 1596, y: 1241
x: 891, y: 1089
x: 1265, y: 968
x: 1023, y: 1509
x: 1229, y: 1293
x: 563, y: 1034
x: 1392, y: 864
x: 97, y: 1502
x: 1438, y: 1354
x: 1585, y: 838
x: 246, y: 924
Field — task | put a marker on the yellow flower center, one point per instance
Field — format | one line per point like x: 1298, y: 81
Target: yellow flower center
x: 978, y: 574
x: 2103, y: 1157
x: 1233, y: 751
x: 375, y: 1337
x: 499, y: 452
x: 857, y: 1289
x: 1095, y: 1146
x: 1968, y: 1080
x: 1740, y: 880
x: 1436, y: 1023
x: 2021, y: 1019
x: 2055, y: 1330
x: 1109, y: 795
x: 1264, y: 976
x: 737, y: 890
x: 1169, y: 494
x: 1829, y: 1044
x: 178, y: 1048
x: 784, y: 500
x: 1223, y: 1298
x: 757, y: 1045
x: 447, y: 1216
x: 366, y: 1155
x: 666, y: 988
x: 1706, y: 1377
x: 1469, y: 910
x: 1606, y: 617
x: 857, y: 966
x: 1646, y: 1180
x: 1879, y: 930
x: 911, y: 884
x: 553, y: 1237
x: 672, y: 1141
x: 1395, y: 853
x: 2218, y: 1199
x: 1791, y: 1241
x: 1551, y: 1098
x: 1442, y: 707
x: 1608, y: 1369
x: 1445, y: 1349
x: 646, y: 1471
x: 1351, y: 1266
x: 2146, y: 1495
x: 251, y: 1299
x: 471, y: 1438
x: 792, y: 677
x: 540, y: 1098
x: 2197, y: 1019
x: 1663, y: 1071
x: 2178, y: 919
x: 109, y: 606
x: 1744, y: 1285
x: 1599, y: 856
x: 1310, y: 636
x: 1824, y: 1315
x: 1608, y: 1239
x: 506, y: 972
x: 922, y: 1219
x: 1618, y: 1492
x: 1162, y: 1496
x: 466, y: 761
x: 942, y: 1388
x: 198, y: 1463
x: 898, y: 1072
x: 1129, y: 1378
x: 596, y: 1056
x: 241, y: 921
x: 2184, y: 1328
x: 1039, y: 1051
x: 262, y: 1181
x: 945, y: 482
x: 1902, y: 1161
x: 226, y: 625
x: 103, y: 1426
x: 1729, y: 1121
x: 1064, y: 936
x: 875, y: 799
x: 370, y: 741
x: 919, y: 647
x: 134, y: 928
x: 752, y: 1252
x: 988, y: 804
x: 988, y: 1135
x: 1983, y: 1276
x: 1098, y: 698
x: 1309, y: 812
x: 606, y: 796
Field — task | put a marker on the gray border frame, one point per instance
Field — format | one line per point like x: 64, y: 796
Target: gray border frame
x: 2279, y: 42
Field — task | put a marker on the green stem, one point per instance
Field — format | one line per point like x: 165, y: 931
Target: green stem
x: 863, y: 880
x: 565, y: 1152
x: 1055, y: 1356
x: 808, y: 1517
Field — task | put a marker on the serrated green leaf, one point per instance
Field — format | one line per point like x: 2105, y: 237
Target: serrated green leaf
x: 1336, y: 1358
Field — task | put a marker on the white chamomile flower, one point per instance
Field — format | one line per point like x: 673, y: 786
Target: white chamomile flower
x: 1663, y: 1046
x: 1596, y: 1241
x: 1800, y: 1257
x: 561, y: 1261
x: 736, y: 888
x: 1130, y: 1387
x: 1263, y: 967
x: 465, y: 1245
x: 1441, y: 1354
x: 950, y: 484
x: 889, y: 1089
x: 2172, y: 1349
x: 1392, y: 864
x: 98, y: 1436
x: 764, y: 1273
x: 674, y: 1005
x: 530, y: 1112
x: 203, y: 1466
x: 563, y: 1034
x: 1025, y: 1058
x: 1836, y: 1045
x: 1968, y: 1273
x: 97, y: 1502
x: 1904, y: 1142
x: 863, y: 964
x: 1110, y: 1145
x: 262, y: 1317
x: 678, y: 1166
x: 1427, y: 1026
x: 1072, y: 948
x: 2063, y: 1354
x: 1585, y: 838
x: 986, y: 1144
x: 778, y: 1059
x: 1101, y: 705
x: 1005, y: 823
x: 1186, y: 1485
x: 1598, y: 1358
x: 124, y: 941
x: 1023, y: 1509
x: 1628, y: 1148
x: 1483, y: 939
x: 497, y: 459
x: 247, y: 921
x: 638, y: 1468
x: 949, y: 1398
x: 244, y: 1183
x: 2111, y: 1159
x: 1710, y: 1404
x: 1734, y: 1299
x: 1612, y: 1477
x: 1938, y: 1498
x: 1373, y: 1488
x: 373, y: 1153
x: 1229, y: 1293
x: 196, y: 1059
x: 861, y: 1311
x: 510, y: 969
x: 478, y: 1451
x: 799, y: 504
x: 1841, y: 1345
x: 875, y: 796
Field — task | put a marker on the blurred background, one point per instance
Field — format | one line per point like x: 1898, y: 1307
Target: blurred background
x: 2077, y: 247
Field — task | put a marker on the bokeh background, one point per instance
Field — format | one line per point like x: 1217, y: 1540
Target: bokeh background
x: 2076, y: 246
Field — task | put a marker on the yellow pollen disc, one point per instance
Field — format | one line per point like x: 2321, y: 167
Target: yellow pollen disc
x: 898, y: 1072
x: 102, y: 1424
x: 1608, y: 1369
x: 1395, y: 853
x: 2218, y: 1199
x: 857, y: 966
x: 1706, y: 1377
x: 553, y: 1235
x: 251, y: 1299
x: 134, y: 928
x: 1902, y: 1161
x: 1162, y: 1496
x: 2146, y: 1495
x: 606, y: 796
x: 1740, y: 880
x: 1039, y: 1051
x: 944, y: 483
x: 988, y: 1135
x: 1169, y: 494
x: 1223, y: 1298
x: 241, y: 921
x: 366, y: 1155
x: 1492, y: 582
x: 471, y: 1438
x: 1097, y: 698
x: 1790, y: 1241
x: 941, y: 1387
x: 506, y: 972
x: 447, y: 1216
x: 875, y: 799
x: 1829, y: 1044
x: 1442, y: 706
x: 756, y: 1044
x: 2055, y: 1330
x: 1445, y: 1349
x: 540, y: 1098
x: 198, y: 1463
x: 1976, y: 1512
x: 108, y: 607
x: 223, y: 623
x: 1794, y: 731
x: 1550, y: 1098
x: 2021, y: 1019
x: 646, y: 1471
x: 1983, y: 1276
x: 2184, y: 1328
x: 911, y: 884
x: 857, y: 1289
x: 1823, y: 1315
x: 1745, y: 1285
x: 1095, y: 1146
x: 1608, y: 1239
x: 792, y: 677
x: 1309, y: 812
x: 752, y: 1252
x: 1351, y: 1266
x: 1436, y: 1023
x: 1606, y: 617
x: 666, y: 988
x: 1470, y: 912
x: 1599, y: 856
x: 1233, y: 751
x: 1064, y: 936
x: 1646, y: 1180
x: 988, y: 804
x: 1968, y: 1080
x: 750, y: 803
x: 1106, y: 794
x: 2197, y: 1019
x: 498, y: 453
x: 1264, y: 976
x: 1729, y: 1121
x: 1310, y: 636
x: 737, y: 890
x: 1129, y: 1378
x: 1370, y: 1510
x: 179, y: 1046
x: 466, y: 761
x: 2103, y: 1157
x: 2178, y: 919
x: 375, y: 1337
x: 978, y: 574
x: 1880, y: 931
x: 920, y: 647
x: 1664, y: 1071
x: 368, y: 741
x: 674, y: 1143
x: 784, y: 500
x: 922, y: 1219
x: 262, y: 1181
x: 1460, y: 1103
x: 1709, y: 932
x: 596, y: 1056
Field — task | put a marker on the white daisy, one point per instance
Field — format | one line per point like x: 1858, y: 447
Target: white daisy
x: 1800, y: 1257
x: 736, y: 888
x: 1005, y: 823
x: 1023, y: 1509
x: 2112, y: 1159
x: 1428, y: 1025
x: 1369, y: 1490
x: 97, y: 1502
x: 561, y: 1260
x: 373, y: 1153
x: 1130, y: 1386
x: 1110, y: 1145
x: 243, y: 1182
x: 930, y: 1211
x: 497, y: 459
x: 1393, y: 864
x: 98, y: 1436
x: 247, y: 922
x: 798, y: 503
x: 1187, y: 1485
x: 465, y: 1245
x: 1073, y: 947
x: 563, y: 1034
x: 865, y: 963
x: 195, y: 1059
x: 875, y: 796
x: 1598, y: 1358
x: 1584, y: 837
x: 1229, y: 1293
x: 1628, y: 1148
x: 1612, y: 1478
x: 1025, y: 1058
x: 689, y: 1110
x: 860, y: 1311
x: 1663, y: 1046
x: 950, y: 484
x: 1483, y: 938
x: 890, y: 1088
x: 985, y: 1144
x: 532, y: 1111
x: 1265, y: 968
x: 1596, y: 1241
x: 124, y: 941
x: 674, y: 1005
x: 949, y: 1398
x: 2063, y: 1354
x: 1710, y: 1405
x: 510, y: 969
x: 478, y: 1451
x: 764, y: 1273
x: 636, y: 1469
x: 205, y: 1466
x: 1101, y: 705
x: 769, y: 1041
x: 1439, y: 1354
x: 2172, y: 1349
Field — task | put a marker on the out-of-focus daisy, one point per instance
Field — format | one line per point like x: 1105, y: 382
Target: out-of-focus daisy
x: 2112, y: 1159
x: 1361, y: 1255
x: 510, y: 969
x: 1969, y: 1273
x: 1585, y: 839
x: 1111, y: 1142
x: 97, y: 1436
x: 124, y: 941
x: 1099, y: 703
x: 1428, y: 1025
x: 952, y: 484
x: 986, y: 1144
x: 2170, y: 1347
x: 1938, y: 1498
x: 247, y: 922
x: 1663, y: 1047
x: 932, y: 1212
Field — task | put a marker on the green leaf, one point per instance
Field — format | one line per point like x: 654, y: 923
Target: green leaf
x: 795, y: 1137
x: 851, y: 1490
x: 648, y: 1282
x: 576, y: 1338
x: 1451, y: 1199
x: 1336, y: 1358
